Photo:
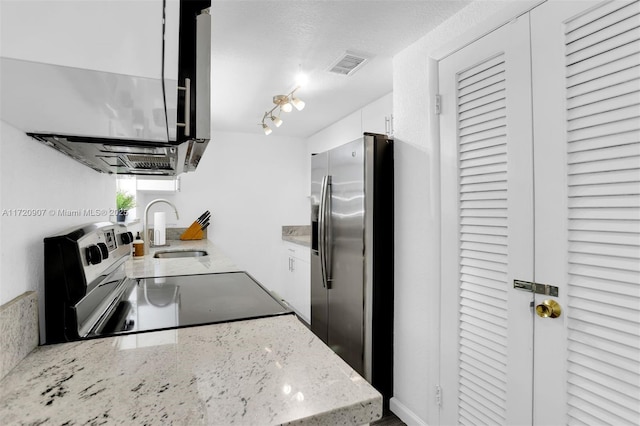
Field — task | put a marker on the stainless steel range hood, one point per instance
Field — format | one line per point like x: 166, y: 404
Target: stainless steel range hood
x: 129, y: 157
x: 117, y: 123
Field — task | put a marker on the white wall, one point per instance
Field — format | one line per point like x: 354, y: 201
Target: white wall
x: 417, y: 206
x: 34, y: 176
x: 253, y: 185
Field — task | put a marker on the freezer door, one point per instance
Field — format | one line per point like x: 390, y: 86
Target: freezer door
x: 346, y: 242
x: 319, y: 170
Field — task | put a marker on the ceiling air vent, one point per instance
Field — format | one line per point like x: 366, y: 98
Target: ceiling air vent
x: 348, y: 63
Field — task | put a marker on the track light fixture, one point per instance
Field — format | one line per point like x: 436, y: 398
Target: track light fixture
x: 283, y: 103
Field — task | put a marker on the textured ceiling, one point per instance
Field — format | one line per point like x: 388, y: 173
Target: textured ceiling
x: 259, y: 46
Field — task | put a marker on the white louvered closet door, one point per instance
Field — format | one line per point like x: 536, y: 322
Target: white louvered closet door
x: 584, y: 235
x: 487, y: 193
x: 586, y: 94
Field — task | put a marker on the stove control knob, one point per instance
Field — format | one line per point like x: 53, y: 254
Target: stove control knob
x: 128, y: 324
x: 94, y: 256
x: 126, y: 238
x: 103, y: 250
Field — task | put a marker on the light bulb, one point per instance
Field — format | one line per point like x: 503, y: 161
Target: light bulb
x: 267, y: 129
x: 276, y: 120
x: 299, y: 104
x: 286, y: 107
x: 302, y: 79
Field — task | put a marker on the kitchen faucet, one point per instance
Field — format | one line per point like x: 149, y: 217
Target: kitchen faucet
x: 146, y: 220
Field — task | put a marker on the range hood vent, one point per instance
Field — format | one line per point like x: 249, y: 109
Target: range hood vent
x: 149, y: 162
x: 348, y: 63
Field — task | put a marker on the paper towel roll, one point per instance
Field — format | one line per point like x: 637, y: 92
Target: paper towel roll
x: 159, y: 228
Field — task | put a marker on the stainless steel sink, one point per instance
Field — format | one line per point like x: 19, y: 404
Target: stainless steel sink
x: 170, y: 254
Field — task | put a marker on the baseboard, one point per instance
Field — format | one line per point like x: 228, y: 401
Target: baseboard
x: 406, y: 415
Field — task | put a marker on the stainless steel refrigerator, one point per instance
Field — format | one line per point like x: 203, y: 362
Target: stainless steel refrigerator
x: 352, y: 255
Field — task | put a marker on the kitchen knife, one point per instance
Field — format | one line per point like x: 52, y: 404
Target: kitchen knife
x: 205, y: 218
x: 199, y: 219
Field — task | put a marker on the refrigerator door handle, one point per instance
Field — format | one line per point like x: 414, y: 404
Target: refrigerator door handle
x: 328, y: 249
x: 321, y: 231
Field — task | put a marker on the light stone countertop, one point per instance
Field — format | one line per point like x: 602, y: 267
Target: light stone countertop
x: 148, y: 266
x: 303, y: 240
x: 297, y: 234
x: 255, y: 372
x: 258, y: 372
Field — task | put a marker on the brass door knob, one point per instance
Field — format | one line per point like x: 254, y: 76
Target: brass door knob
x: 549, y: 309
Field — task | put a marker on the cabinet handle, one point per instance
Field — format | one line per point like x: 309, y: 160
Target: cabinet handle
x: 293, y: 264
x: 187, y: 107
x: 386, y: 125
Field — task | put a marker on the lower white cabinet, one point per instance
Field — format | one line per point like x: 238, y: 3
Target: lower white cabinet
x: 295, y: 285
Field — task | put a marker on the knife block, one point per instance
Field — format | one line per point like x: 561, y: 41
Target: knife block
x: 192, y: 233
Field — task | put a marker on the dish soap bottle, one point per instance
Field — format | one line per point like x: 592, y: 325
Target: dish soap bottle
x: 138, y: 246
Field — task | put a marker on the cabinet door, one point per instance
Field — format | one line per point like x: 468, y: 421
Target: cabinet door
x: 376, y: 117
x: 121, y: 37
x: 301, y: 288
x: 296, y: 283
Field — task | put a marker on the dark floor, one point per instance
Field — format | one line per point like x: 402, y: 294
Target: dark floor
x: 389, y: 420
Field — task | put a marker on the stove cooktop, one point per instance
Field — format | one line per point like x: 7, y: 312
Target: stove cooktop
x: 151, y: 304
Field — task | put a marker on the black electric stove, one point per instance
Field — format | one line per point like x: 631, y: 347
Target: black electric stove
x: 170, y: 302
x: 88, y: 295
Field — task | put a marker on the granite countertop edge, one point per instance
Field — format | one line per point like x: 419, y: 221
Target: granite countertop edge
x: 266, y: 371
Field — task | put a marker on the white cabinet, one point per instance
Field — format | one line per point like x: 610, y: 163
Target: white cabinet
x: 377, y: 117
x: 295, y: 284
x: 91, y: 69
x: 122, y: 37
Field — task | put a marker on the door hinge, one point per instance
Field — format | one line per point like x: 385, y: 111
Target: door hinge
x: 537, y: 288
x: 438, y: 396
x: 438, y: 105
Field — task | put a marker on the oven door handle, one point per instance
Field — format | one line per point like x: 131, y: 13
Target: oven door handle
x: 102, y: 313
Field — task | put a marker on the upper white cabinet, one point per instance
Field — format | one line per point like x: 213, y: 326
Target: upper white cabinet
x: 95, y: 68
x: 121, y: 37
x: 377, y: 117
